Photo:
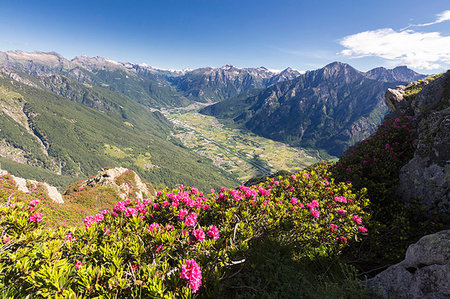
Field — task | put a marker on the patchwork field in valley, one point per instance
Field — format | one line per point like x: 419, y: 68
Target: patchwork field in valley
x: 237, y: 151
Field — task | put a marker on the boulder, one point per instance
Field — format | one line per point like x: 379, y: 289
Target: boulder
x: 424, y: 273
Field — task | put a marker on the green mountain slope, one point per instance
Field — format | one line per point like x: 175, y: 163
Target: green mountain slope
x: 45, y: 130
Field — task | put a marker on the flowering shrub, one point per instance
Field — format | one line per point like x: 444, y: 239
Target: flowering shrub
x: 375, y: 163
x: 179, y: 243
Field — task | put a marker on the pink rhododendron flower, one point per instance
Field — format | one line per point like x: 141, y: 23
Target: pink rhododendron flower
x: 34, y: 203
x: 294, y: 177
x: 154, y: 227
x: 294, y: 200
x: 333, y: 227
x: 213, y: 232
x: 306, y: 175
x: 98, y: 218
x: 191, y: 271
x: 130, y: 212
x: 191, y: 220
x: 315, y: 213
x: 119, y: 207
x: 159, y: 248
x: 107, y: 231
x: 141, y: 208
x: 104, y: 212
x: 6, y: 239
x: 69, y: 237
x: 134, y: 267
x: 341, y: 211
x: 88, y: 221
x: 78, y: 264
x: 313, y: 204
x: 199, y: 234
x: 182, y: 213
x: 340, y: 199
x: 165, y: 204
x: 36, y: 217
x: 357, y: 219
x: 362, y: 229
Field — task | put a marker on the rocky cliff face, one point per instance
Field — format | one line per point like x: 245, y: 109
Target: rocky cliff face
x: 424, y: 273
x: 427, y: 175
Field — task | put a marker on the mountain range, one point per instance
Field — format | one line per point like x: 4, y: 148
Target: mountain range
x: 73, y: 117
x: 330, y: 108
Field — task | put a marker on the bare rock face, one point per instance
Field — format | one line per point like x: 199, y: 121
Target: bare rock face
x: 22, y: 185
x: 394, y: 98
x: 424, y: 273
x: 427, y: 176
x: 130, y: 186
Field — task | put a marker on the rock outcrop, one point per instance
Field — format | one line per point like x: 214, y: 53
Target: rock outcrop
x: 424, y: 273
x: 427, y: 176
x: 25, y: 185
x: 127, y: 182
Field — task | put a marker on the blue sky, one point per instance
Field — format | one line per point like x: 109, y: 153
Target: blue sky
x: 180, y: 34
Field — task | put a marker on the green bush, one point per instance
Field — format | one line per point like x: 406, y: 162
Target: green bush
x: 180, y: 243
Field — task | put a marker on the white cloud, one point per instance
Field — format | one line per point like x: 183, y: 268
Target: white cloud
x: 441, y: 17
x: 422, y: 50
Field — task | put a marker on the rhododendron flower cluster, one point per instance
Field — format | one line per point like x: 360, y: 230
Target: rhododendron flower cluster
x: 36, y: 217
x: 154, y: 227
x: 199, y: 234
x: 213, y: 232
x: 191, y: 271
x: 191, y: 220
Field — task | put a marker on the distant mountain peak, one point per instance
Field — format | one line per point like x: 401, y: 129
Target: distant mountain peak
x: 398, y: 74
x: 228, y: 67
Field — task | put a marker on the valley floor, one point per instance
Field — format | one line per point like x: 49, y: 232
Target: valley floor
x: 237, y: 151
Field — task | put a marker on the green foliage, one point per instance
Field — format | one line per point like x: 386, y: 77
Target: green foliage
x: 38, y: 174
x: 141, y: 248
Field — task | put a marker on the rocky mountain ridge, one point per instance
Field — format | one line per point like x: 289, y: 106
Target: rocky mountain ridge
x: 330, y: 108
x: 161, y: 88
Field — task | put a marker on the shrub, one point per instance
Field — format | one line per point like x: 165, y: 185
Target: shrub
x: 375, y: 163
x: 180, y: 243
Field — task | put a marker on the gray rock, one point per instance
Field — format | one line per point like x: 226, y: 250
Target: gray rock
x: 107, y: 177
x: 394, y: 98
x: 427, y: 175
x: 424, y: 273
